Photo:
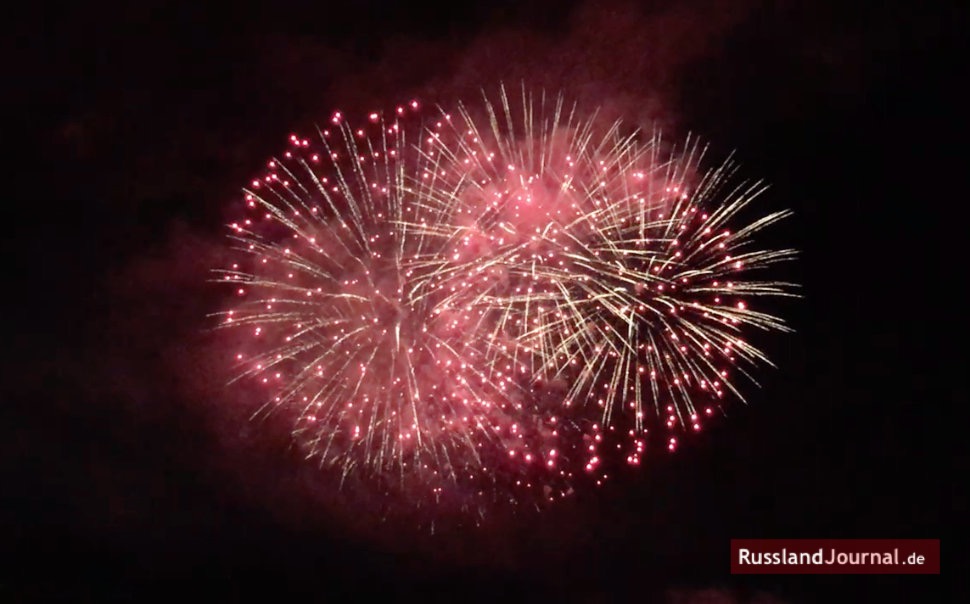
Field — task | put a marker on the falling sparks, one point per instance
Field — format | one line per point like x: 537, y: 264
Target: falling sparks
x: 497, y: 302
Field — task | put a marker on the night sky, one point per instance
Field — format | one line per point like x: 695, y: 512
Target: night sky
x: 129, y: 473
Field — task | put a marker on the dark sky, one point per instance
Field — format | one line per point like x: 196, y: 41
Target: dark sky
x: 126, y: 471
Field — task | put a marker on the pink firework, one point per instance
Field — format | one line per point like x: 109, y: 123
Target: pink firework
x: 494, y: 301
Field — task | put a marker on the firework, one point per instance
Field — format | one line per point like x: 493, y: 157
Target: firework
x: 487, y: 302
x: 612, y: 263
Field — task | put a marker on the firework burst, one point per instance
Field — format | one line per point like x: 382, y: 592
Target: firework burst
x: 487, y: 302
